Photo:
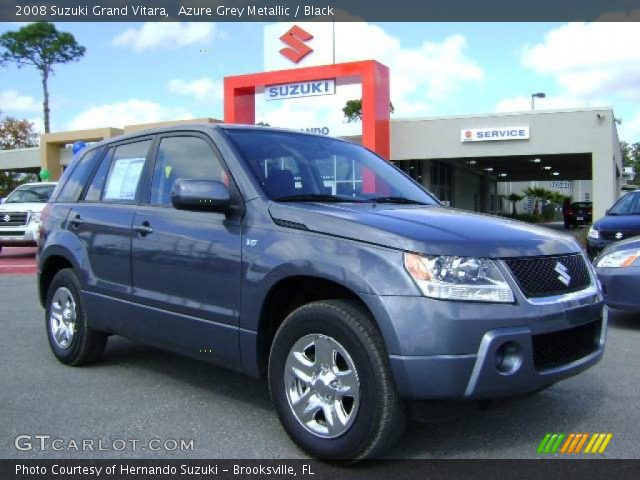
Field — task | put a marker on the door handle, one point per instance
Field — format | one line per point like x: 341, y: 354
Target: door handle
x: 143, y: 229
x: 76, y: 221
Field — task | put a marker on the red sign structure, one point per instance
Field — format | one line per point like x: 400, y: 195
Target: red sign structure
x: 240, y: 91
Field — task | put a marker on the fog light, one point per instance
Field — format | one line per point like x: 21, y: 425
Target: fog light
x: 508, y: 358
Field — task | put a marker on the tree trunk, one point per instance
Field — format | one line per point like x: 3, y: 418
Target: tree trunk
x: 45, y: 103
x: 514, y: 211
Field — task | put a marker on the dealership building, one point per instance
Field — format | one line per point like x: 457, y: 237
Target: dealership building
x: 468, y: 161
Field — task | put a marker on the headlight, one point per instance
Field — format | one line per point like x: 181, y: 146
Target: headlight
x: 593, y: 233
x: 35, y: 217
x: 620, y: 258
x: 458, y: 278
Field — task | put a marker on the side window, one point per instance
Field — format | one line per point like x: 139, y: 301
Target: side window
x: 189, y: 158
x: 125, y: 171
x: 95, y: 187
x: 78, y: 178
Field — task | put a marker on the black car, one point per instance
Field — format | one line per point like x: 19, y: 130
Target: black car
x: 622, y: 221
x: 578, y: 213
x: 618, y: 269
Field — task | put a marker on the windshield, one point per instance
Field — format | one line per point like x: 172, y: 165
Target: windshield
x: 31, y: 194
x: 298, y: 167
x: 581, y: 205
x: 627, y: 205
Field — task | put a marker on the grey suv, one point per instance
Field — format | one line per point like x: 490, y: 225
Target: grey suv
x: 314, y: 262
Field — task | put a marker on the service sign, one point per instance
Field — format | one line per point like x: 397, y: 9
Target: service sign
x: 301, y: 89
x: 493, y: 134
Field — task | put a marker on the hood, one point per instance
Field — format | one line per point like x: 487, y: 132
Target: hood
x: 22, y: 207
x: 427, y: 229
x: 625, y: 223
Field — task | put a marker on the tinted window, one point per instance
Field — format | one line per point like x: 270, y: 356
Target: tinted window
x: 78, y: 178
x: 125, y: 171
x: 189, y: 158
x: 292, y: 164
x: 31, y: 194
x: 627, y: 205
x: 94, y: 192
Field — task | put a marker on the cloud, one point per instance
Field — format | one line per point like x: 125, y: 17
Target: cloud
x: 11, y: 100
x: 630, y: 130
x: 165, y: 35
x: 522, y: 103
x: 590, y: 59
x: 38, y: 124
x: 421, y: 76
x: 127, y: 112
x: 201, y: 88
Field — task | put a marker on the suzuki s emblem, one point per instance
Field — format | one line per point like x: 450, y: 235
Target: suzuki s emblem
x: 6, y: 218
x: 295, y: 38
x: 563, y: 274
x: 619, y: 235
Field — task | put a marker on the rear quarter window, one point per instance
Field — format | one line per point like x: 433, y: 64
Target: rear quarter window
x: 77, y: 179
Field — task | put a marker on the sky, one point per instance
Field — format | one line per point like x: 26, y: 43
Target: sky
x: 146, y: 72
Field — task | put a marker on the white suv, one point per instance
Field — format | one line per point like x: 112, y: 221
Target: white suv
x: 20, y: 214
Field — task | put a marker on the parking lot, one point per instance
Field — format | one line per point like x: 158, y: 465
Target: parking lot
x: 141, y: 393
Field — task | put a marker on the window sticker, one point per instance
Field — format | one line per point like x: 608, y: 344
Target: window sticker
x: 123, y: 180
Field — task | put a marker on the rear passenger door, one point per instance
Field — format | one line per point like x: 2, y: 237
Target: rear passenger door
x: 186, y: 264
x: 102, y: 221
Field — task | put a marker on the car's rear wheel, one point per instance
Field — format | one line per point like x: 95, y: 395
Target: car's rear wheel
x: 71, y: 339
x: 331, y: 382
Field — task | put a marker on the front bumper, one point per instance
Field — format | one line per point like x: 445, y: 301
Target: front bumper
x: 621, y: 287
x: 26, y: 235
x: 451, y: 350
x: 482, y: 376
x: 595, y: 246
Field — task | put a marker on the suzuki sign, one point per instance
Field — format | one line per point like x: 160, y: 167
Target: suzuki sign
x: 301, y: 89
x: 492, y: 134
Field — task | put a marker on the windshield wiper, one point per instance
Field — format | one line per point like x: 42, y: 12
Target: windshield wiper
x: 315, y: 197
x: 396, y: 200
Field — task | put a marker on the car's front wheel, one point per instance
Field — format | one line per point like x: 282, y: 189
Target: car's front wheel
x: 71, y: 339
x: 331, y: 382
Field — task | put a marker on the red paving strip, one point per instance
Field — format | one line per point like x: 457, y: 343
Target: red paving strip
x: 17, y: 260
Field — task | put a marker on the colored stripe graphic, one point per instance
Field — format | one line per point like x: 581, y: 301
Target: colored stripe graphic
x: 550, y: 443
x: 574, y: 443
x: 598, y: 443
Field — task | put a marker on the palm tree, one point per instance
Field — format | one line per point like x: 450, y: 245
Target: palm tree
x: 538, y: 194
x: 514, y: 198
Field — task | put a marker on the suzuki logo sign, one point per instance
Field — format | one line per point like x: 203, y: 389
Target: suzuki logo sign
x: 493, y: 134
x: 295, y: 39
x: 301, y: 89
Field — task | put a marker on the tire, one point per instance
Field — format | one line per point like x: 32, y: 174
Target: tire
x: 365, y: 423
x: 76, y: 343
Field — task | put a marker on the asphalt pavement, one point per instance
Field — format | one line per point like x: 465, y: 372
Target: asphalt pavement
x: 157, y: 398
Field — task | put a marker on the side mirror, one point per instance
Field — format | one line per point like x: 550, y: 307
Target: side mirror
x: 606, y: 212
x: 1, y: 200
x: 203, y: 195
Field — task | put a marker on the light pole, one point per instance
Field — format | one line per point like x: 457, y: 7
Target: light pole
x: 533, y: 99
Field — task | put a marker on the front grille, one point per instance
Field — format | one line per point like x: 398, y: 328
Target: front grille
x: 12, y: 219
x: 618, y: 234
x: 554, y: 349
x: 543, y: 276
